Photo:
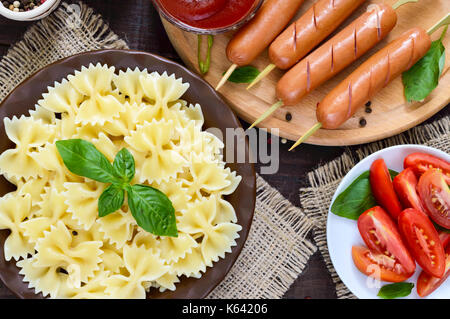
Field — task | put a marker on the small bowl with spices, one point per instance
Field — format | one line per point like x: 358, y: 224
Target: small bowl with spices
x: 207, y: 16
x: 27, y: 10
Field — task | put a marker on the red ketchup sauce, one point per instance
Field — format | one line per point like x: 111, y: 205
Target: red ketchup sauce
x: 208, y: 14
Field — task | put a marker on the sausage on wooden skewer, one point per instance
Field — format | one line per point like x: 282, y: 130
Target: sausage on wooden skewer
x: 257, y: 35
x: 336, y: 54
x: 369, y: 78
x: 373, y: 75
x: 307, y: 32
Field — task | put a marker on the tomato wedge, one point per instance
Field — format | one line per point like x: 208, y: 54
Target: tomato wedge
x: 426, y: 284
x: 380, y: 234
x: 423, y: 241
x: 382, y: 188
x: 435, y: 195
x: 421, y: 162
x: 405, y: 185
x: 378, y: 266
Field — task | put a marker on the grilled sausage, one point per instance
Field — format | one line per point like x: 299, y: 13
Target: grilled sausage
x: 257, y: 35
x: 337, y: 53
x: 309, y: 30
x: 373, y: 75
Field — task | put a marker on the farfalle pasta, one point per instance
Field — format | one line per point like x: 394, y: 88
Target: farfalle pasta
x: 59, y: 242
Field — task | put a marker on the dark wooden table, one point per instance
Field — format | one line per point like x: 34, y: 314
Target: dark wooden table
x: 137, y: 22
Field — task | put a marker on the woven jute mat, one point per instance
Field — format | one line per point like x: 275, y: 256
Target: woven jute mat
x: 316, y: 199
x: 276, y: 250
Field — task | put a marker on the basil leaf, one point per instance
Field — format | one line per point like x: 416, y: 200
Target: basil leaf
x: 82, y: 158
x: 393, y: 173
x: 440, y: 228
x: 396, y: 290
x: 423, y: 77
x: 245, y: 74
x: 124, y: 166
x: 110, y: 200
x: 152, y: 210
x: 357, y: 198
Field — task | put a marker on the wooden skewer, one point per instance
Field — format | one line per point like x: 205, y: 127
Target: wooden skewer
x: 305, y: 136
x: 445, y: 21
x: 269, y: 111
x: 262, y: 75
x: 399, y: 3
x: 226, y: 76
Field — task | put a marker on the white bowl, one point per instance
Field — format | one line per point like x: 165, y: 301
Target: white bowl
x: 35, y: 14
x: 342, y: 233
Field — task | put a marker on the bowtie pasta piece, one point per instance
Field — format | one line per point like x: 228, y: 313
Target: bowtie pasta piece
x: 117, y: 227
x: 62, y: 98
x: 28, y: 135
x: 163, y: 88
x: 52, y: 208
x: 82, y: 200
x: 156, y: 157
x: 129, y: 85
x: 14, y: 210
x: 142, y: 265
x: 218, y: 238
x: 56, y: 249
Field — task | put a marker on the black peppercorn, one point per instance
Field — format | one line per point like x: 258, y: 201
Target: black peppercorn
x: 288, y: 116
x: 368, y: 104
x: 362, y: 122
x: 368, y: 110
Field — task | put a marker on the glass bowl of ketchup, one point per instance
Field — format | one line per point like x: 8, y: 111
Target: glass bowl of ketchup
x: 208, y: 16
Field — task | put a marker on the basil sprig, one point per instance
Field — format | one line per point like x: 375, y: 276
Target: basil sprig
x: 151, y: 208
x: 245, y: 74
x: 356, y: 198
x: 423, y: 77
x: 396, y: 290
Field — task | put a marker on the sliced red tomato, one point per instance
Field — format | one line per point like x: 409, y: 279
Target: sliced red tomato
x: 421, y: 162
x: 426, y: 284
x: 380, y: 234
x: 445, y: 238
x: 378, y: 266
x: 435, y: 195
x: 382, y: 188
x: 405, y: 186
x: 423, y: 241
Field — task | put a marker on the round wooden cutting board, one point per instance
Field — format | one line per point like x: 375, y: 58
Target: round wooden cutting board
x: 391, y: 114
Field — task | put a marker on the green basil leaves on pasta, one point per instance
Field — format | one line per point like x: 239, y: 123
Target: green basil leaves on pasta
x: 151, y: 208
x: 356, y: 198
x: 396, y: 290
x: 111, y: 200
x: 83, y: 159
x: 124, y: 166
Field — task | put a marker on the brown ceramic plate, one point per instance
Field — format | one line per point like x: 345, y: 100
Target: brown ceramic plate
x: 217, y: 114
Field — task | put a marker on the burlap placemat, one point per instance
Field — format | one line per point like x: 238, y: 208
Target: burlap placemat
x: 316, y: 199
x: 276, y: 251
